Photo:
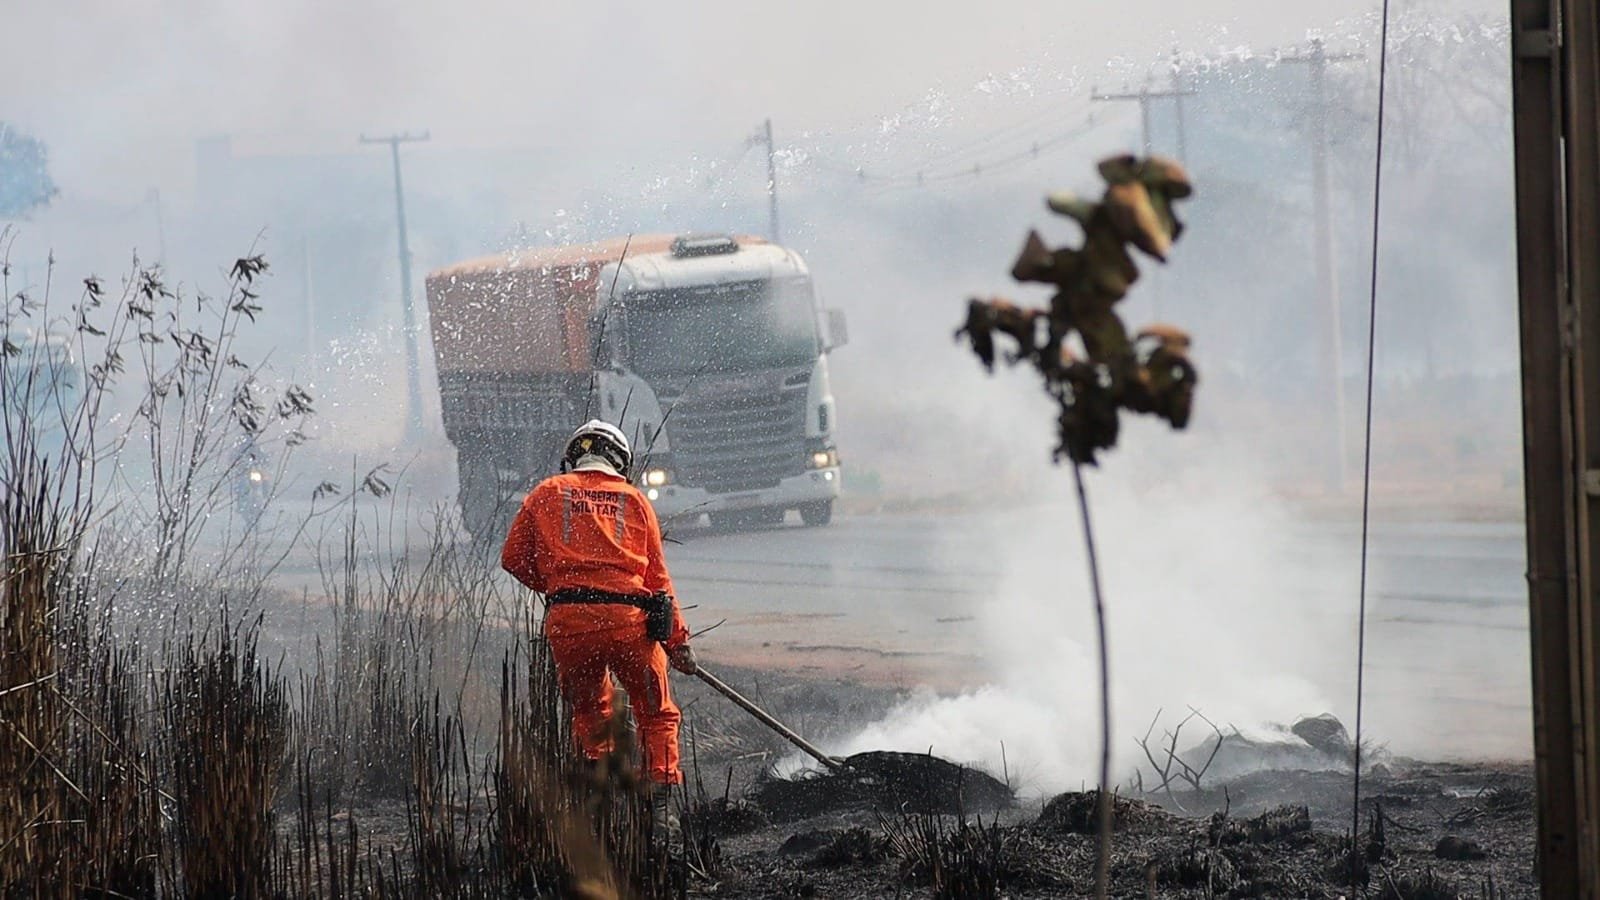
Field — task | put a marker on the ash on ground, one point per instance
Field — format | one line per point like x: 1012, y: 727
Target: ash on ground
x: 1272, y: 821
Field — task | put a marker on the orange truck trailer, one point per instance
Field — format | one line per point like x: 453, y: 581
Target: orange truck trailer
x: 709, y: 351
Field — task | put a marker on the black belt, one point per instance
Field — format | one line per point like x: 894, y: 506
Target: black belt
x: 657, y: 607
x: 591, y: 595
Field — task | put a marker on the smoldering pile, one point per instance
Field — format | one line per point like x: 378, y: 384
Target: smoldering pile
x: 882, y: 779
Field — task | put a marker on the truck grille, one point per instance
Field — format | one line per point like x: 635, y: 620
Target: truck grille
x: 738, y: 443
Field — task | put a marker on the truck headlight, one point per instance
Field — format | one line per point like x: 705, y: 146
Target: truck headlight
x: 823, y: 459
x: 656, y: 477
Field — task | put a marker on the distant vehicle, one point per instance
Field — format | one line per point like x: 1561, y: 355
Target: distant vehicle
x: 252, y: 488
x: 709, y: 351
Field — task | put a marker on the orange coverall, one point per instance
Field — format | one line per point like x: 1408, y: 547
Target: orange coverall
x: 592, y: 529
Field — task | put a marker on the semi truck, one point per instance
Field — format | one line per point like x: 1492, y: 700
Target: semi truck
x: 709, y: 351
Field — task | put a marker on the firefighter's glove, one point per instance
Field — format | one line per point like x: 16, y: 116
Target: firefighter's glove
x: 682, y: 659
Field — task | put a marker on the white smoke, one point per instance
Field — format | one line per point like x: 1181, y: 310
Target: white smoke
x: 1214, y: 600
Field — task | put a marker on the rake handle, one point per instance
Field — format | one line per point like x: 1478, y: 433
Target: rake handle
x: 766, y: 719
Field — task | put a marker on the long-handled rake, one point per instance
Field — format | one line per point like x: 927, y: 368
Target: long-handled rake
x: 832, y: 763
x: 919, y: 780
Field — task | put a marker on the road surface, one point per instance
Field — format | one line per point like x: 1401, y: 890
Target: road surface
x: 913, y: 600
x: 1250, y: 618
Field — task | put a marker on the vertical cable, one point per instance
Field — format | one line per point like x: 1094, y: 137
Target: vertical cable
x: 1366, y: 461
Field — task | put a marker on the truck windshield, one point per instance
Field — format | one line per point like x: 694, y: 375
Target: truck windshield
x: 738, y: 327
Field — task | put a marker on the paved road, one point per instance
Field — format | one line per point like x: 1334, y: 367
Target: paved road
x: 1266, y: 621
x: 1248, y: 617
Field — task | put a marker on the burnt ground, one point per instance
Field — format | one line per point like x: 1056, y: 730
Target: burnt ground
x: 1282, y: 836
x: 1428, y: 829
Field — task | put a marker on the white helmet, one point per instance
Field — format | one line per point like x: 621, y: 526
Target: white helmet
x: 601, y: 439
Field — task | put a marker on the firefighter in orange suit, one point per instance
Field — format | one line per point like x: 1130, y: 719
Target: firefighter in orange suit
x: 589, y: 541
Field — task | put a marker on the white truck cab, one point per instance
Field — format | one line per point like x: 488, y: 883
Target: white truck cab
x: 712, y: 357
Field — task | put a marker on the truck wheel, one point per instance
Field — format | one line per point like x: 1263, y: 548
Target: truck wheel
x: 483, y: 511
x: 817, y: 514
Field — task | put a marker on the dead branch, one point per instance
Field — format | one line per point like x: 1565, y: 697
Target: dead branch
x: 1164, y: 772
x: 1174, y: 766
x: 706, y: 629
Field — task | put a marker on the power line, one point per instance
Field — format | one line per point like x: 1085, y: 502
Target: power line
x: 919, y: 177
x: 945, y: 160
x: 1035, y: 150
x: 1026, y: 127
x: 716, y: 176
x: 1143, y: 96
x: 924, y: 109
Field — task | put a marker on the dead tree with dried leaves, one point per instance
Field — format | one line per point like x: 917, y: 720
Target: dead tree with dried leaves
x: 1090, y: 365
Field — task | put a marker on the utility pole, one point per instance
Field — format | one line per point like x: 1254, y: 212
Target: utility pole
x: 413, y: 385
x: 1146, y: 94
x: 1142, y: 96
x: 153, y: 197
x: 309, y: 296
x: 1178, y: 93
x: 1555, y: 83
x: 1331, y: 343
x: 764, y: 136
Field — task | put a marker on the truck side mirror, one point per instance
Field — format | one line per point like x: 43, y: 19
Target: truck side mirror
x: 838, y: 333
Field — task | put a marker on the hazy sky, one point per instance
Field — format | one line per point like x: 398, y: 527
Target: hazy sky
x: 617, y: 109
x: 120, y: 90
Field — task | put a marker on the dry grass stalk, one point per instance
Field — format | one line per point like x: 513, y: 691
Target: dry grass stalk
x: 227, y: 721
x: 440, y: 811
x: 962, y: 861
x: 80, y: 813
x: 119, y: 785
x: 30, y: 716
x: 573, y: 827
